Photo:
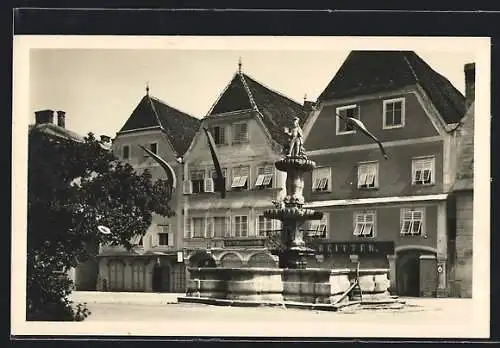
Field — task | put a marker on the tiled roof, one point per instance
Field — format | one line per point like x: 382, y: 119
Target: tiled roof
x: 277, y: 110
x: 365, y: 72
x: 152, y: 112
x: 54, y: 130
x: 465, y: 165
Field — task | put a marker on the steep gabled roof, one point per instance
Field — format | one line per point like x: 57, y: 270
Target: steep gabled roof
x: 179, y: 127
x: 365, y: 72
x: 465, y: 165
x: 277, y: 111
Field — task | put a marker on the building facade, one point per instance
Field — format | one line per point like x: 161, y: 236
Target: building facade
x: 156, y: 263
x: 463, y: 198
x: 247, y: 123
x: 386, y: 213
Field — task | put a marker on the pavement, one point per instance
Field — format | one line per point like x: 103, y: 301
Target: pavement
x: 145, y: 298
x: 161, y: 314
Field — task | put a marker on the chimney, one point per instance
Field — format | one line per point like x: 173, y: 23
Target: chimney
x: 470, y: 83
x: 105, y: 139
x: 309, y: 106
x: 44, y: 116
x: 61, y: 119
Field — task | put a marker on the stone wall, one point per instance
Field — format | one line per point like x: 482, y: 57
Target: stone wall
x: 463, y: 263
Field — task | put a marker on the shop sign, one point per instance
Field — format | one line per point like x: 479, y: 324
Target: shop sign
x: 248, y: 242
x: 357, y: 248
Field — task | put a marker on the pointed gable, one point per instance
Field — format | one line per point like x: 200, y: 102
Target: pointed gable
x: 465, y: 164
x: 143, y: 116
x: 179, y: 127
x: 277, y: 111
x: 365, y: 72
x: 234, y: 97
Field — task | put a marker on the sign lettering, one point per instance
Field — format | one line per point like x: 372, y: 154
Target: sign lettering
x: 244, y: 242
x: 362, y: 248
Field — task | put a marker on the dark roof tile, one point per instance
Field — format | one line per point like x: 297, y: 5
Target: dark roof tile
x: 179, y: 127
x: 276, y: 109
x: 365, y: 72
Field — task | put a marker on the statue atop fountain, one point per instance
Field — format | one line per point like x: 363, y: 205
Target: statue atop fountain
x: 290, y: 211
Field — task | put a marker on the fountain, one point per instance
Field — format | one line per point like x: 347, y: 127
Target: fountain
x: 292, y: 284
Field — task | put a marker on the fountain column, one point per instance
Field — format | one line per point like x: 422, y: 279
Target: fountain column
x: 292, y: 214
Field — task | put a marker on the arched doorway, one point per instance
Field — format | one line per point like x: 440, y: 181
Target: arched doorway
x: 202, y: 259
x: 409, y: 280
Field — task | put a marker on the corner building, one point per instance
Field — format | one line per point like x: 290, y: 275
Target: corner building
x: 385, y: 213
x: 156, y: 263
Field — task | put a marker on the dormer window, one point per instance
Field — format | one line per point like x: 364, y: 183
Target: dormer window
x: 346, y: 111
x: 240, y: 133
x: 219, y: 135
x: 394, y: 113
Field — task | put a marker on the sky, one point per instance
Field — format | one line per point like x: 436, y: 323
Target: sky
x: 99, y: 88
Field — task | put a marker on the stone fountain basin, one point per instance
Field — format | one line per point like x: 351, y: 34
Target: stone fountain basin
x: 276, y: 285
x: 295, y: 163
x: 300, y: 214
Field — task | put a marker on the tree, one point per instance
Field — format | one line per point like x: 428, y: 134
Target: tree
x: 73, y: 188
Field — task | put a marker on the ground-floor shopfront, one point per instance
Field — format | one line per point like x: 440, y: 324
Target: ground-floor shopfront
x: 407, y: 235
x: 142, y: 273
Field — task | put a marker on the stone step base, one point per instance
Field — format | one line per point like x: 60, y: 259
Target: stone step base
x: 380, y: 304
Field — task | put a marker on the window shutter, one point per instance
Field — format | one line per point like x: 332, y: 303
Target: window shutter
x: 257, y: 231
x: 170, y: 238
x: 188, y: 187
x: 260, y: 180
x: 209, y: 185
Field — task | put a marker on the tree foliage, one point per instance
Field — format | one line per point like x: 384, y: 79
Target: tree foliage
x: 73, y: 188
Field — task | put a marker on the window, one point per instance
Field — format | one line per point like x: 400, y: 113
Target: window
x: 213, y: 175
x: 368, y: 175
x: 197, y: 181
x: 220, y: 226
x: 126, y: 152
x: 264, y: 225
x: 240, y: 133
x: 198, y: 227
x: 240, y: 177
x: 364, y: 224
x: 219, y: 135
x: 412, y: 221
x: 241, y: 226
x: 394, y: 113
x: 153, y: 147
x: 423, y: 171
x: 163, y: 231
x: 346, y: 111
x: 321, y: 179
x: 319, y: 228
x: 265, y: 176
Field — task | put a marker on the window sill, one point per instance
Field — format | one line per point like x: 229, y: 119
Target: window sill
x: 346, y: 133
x: 423, y: 185
x: 393, y: 127
x: 321, y: 191
x: 368, y: 188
